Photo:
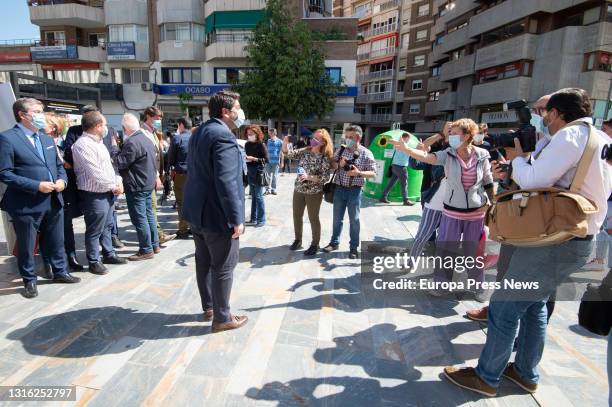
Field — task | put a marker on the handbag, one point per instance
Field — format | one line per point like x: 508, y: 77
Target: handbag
x: 329, y: 188
x: 389, y: 172
x: 595, y: 312
x: 544, y: 216
x: 262, y: 178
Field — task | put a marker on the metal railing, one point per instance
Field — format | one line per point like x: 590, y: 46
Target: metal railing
x: 389, y: 5
x: 380, y: 30
x: 381, y: 118
x: 243, y: 37
x: 25, y: 42
x: 52, y: 90
x: 387, y: 73
x: 374, y: 97
x: 383, y: 52
x: 90, y: 3
x: 363, y: 57
x: 70, y: 41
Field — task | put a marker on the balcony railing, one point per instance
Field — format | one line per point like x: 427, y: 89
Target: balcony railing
x: 26, y: 42
x: 90, y: 3
x: 227, y: 37
x: 374, y: 97
x: 389, y: 5
x: 387, y: 73
x: 363, y: 57
x: 379, y: 30
x: 381, y: 118
x: 383, y: 52
x: 70, y: 41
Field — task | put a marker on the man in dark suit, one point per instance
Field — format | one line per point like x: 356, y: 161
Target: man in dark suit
x: 35, y: 177
x: 214, y: 207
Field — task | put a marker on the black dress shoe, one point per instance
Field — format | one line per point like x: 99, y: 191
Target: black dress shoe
x: 311, y: 251
x: 330, y: 248
x: 384, y: 200
x: 98, y: 268
x: 65, y: 278
x: 353, y: 254
x: 117, y: 243
x: 74, y: 264
x: 297, y: 244
x: 113, y: 260
x: 30, y: 290
x: 47, y: 271
x: 182, y: 236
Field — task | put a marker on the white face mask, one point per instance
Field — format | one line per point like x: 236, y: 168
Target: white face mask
x: 479, y: 138
x: 252, y: 138
x: 240, y: 119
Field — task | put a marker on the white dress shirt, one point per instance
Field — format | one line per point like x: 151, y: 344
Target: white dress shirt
x: 93, y: 166
x: 557, y: 164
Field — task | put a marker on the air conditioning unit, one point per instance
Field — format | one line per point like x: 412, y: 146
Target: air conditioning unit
x: 146, y: 86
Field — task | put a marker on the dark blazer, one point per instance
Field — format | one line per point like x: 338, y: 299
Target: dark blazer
x: 137, y: 163
x: 177, y: 153
x: 213, y: 199
x: 22, y: 170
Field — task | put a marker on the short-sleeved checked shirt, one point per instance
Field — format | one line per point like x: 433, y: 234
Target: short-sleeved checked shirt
x: 365, y: 162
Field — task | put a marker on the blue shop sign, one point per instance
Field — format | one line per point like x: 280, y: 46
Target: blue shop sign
x: 54, y: 52
x: 122, y: 50
x: 209, y: 90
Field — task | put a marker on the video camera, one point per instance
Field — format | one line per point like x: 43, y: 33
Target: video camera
x: 526, y: 133
x: 350, y: 163
x: 606, y: 152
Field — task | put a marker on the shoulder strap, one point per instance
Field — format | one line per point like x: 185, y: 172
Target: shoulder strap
x: 587, y: 157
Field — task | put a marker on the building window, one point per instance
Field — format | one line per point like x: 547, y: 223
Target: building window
x: 446, y: 8
x: 405, y: 21
x: 405, y: 41
x: 435, y: 71
x: 433, y: 96
x: 421, y: 35
x: 417, y: 84
x: 335, y: 74
x: 229, y: 75
x: 423, y: 10
x: 598, y: 61
x: 503, y: 33
x: 402, y: 68
x: 511, y: 70
x: 419, y: 60
x: 182, y: 75
x: 128, y: 33
x: 55, y: 38
x: 130, y: 76
x: 591, y: 16
x: 97, y: 39
x: 182, y: 32
x: 415, y: 108
x: 439, y: 39
x: 400, y: 85
x: 362, y: 9
x: 609, y: 14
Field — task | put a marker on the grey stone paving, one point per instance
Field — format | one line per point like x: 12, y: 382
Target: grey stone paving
x: 315, y: 337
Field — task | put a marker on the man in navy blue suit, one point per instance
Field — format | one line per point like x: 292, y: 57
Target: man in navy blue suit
x: 35, y: 177
x: 214, y: 207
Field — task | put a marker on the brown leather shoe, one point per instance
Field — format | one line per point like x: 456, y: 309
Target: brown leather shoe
x: 156, y: 250
x: 234, y: 323
x: 512, y: 375
x: 208, y: 315
x: 479, y: 314
x: 467, y: 378
x: 141, y: 256
x: 166, y: 238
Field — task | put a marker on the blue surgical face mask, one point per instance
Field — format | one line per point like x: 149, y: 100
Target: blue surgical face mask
x: 38, y: 120
x: 454, y: 141
x: 240, y: 119
x: 157, y: 124
x: 104, y: 131
x: 538, y: 122
x: 350, y: 143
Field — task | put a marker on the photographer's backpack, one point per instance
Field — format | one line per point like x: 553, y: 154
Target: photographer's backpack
x: 544, y: 216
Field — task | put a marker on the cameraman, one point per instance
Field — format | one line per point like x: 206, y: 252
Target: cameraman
x: 354, y: 164
x: 547, y: 266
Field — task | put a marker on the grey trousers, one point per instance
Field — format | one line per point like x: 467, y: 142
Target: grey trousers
x: 397, y: 173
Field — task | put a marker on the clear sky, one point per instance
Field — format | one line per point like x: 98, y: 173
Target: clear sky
x: 15, y: 21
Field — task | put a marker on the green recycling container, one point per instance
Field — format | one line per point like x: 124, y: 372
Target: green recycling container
x: 383, y: 152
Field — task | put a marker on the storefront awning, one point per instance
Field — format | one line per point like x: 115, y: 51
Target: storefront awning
x: 234, y: 20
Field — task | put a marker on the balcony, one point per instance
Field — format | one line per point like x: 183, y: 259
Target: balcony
x: 388, y: 73
x: 447, y: 102
x: 211, y: 6
x: 434, y: 84
x: 363, y: 57
x: 437, y: 55
x: 460, y: 8
x: 458, y: 68
x: 513, y: 10
x: 455, y: 40
x: 93, y: 54
x: 180, y: 11
x: 128, y: 51
x: 126, y: 12
x: 181, y: 51
x: 379, y: 53
x: 83, y: 14
x: 68, y: 50
x: 381, y: 118
x: 375, y: 97
x: 501, y: 91
x: 513, y: 49
x: 386, y: 6
x: 432, y: 108
x: 380, y: 30
x: 227, y: 46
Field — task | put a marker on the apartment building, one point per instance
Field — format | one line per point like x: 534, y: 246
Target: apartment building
x: 168, y: 52
x: 487, y: 52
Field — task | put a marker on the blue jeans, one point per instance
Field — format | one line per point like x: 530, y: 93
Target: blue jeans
x: 272, y: 169
x: 548, y: 266
x: 98, y: 211
x: 346, y: 198
x: 610, y: 368
x: 140, y: 208
x: 258, y: 206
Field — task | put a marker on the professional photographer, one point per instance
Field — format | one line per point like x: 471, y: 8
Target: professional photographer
x: 354, y: 164
x: 546, y: 266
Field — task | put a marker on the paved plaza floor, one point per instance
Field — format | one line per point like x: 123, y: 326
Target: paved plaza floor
x: 136, y: 336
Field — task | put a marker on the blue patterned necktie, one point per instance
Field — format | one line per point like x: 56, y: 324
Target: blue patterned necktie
x: 40, y: 151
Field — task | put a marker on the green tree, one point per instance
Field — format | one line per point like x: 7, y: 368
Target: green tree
x: 289, y: 79
x: 184, y: 98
